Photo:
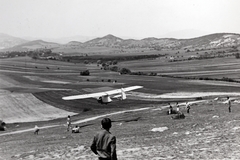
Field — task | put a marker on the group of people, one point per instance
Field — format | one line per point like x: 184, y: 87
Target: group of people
x: 75, y: 129
x: 172, y: 111
x: 177, y: 111
x: 179, y: 114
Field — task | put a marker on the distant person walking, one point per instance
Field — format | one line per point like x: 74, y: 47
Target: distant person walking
x: 170, y: 109
x: 69, y: 121
x: 104, y: 143
x: 229, y: 104
x: 188, y: 107
x: 36, y: 129
x: 2, y: 126
x: 177, y: 107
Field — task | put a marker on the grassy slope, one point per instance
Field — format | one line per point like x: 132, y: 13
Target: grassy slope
x: 208, y: 132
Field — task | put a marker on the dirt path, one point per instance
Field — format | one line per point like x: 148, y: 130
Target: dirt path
x: 95, y: 117
x: 76, y: 122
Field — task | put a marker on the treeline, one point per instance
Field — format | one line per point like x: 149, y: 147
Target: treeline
x: 34, y: 54
x: 103, y: 58
x: 225, y: 79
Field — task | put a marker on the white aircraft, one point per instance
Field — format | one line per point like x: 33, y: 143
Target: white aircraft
x: 105, y: 97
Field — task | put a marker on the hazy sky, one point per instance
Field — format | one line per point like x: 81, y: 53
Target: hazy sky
x: 122, y: 18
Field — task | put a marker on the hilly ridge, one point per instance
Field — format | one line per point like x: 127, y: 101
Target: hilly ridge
x: 7, y: 41
x: 217, y: 40
x: 32, y: 45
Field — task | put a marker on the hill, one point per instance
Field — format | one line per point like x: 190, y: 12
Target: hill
x: 7, y: 41
x: 217, y: 40
x: 32, y: 45
x: 106, y: 41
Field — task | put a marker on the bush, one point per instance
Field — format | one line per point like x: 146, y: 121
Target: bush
x: 86, y: 109
x: 237, y: 55
x: 114, y: 68
x: 152, y: 74
x: 138, y: 73
x: 199, y: 98
x: 125, y: 71
x: 85, y: 73
x: 86, y: 62
x: 99, y: 62
x: 114, y: 62
x: 104, y: 64
x: 109, y: 63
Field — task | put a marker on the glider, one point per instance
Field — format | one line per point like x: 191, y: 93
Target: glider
x: 231, y: 99
x: 105, y: 97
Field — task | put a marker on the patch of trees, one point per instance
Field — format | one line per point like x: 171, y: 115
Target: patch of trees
x: 206, y: 55
x: 102, y: 80
x: 138, y: 73
x: 35, y: 54
x: 99, y: 59
x: 86, y: 62
x: 85, y: 73
x: 106, y: 65
x: 125, y: 71
x: 114, y: 68
x: 144, y: 74
x: 120, y: 70
x: 17, y: 54
x: 237, y: 55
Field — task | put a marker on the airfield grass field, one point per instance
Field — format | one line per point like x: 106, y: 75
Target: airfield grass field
x: 31, y: 94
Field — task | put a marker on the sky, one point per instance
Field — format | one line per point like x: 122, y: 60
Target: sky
x: 122, y: 18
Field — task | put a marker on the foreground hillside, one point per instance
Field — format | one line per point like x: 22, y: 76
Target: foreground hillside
x: 208, y: 132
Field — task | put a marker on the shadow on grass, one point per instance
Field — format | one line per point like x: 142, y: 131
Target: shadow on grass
x: 127, y: 120
x: 82, y: 126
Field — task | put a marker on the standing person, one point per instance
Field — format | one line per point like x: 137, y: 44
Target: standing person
x: 36, y: 129
x: 229, y: 104
x: 177, y: 107
x: 68, y: 122
x: 188, y: 107
x: 104, y: 143
x: 170, y: 109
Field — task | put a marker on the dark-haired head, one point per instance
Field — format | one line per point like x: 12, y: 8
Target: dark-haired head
x: 106, y: 123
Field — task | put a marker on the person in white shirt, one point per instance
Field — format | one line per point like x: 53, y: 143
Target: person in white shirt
x: 75, y: 129
x: 36, y: 129
x: 177, y: 107
x: 68, y: 122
